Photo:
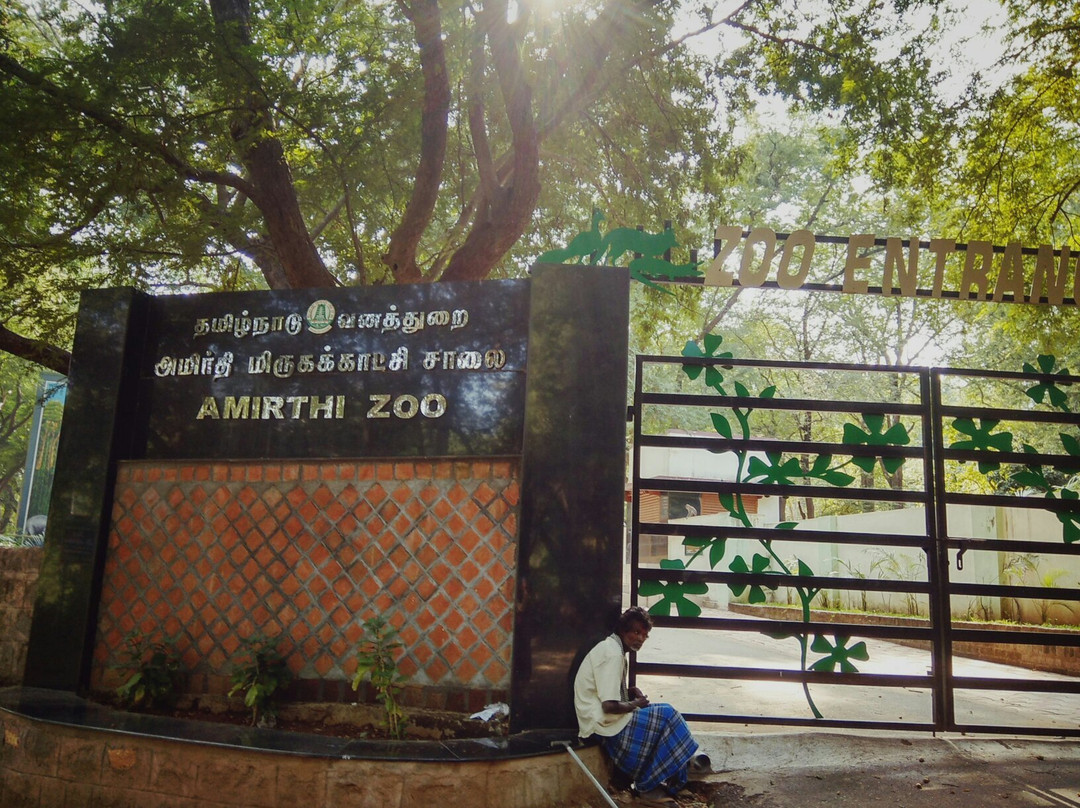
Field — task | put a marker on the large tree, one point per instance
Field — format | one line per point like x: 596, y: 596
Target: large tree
x: 223, y: 144
x: 299, y: 143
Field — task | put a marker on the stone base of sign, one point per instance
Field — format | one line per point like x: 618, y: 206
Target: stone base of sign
x: 44, y: 764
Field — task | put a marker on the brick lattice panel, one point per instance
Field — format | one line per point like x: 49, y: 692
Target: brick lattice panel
x: 207, y: 555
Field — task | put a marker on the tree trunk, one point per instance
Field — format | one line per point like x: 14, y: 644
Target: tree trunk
x: 505, y: 210
x: 401, y: 255
x: 252, y: 129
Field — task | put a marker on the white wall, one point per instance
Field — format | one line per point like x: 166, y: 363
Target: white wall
x: 877, y: 560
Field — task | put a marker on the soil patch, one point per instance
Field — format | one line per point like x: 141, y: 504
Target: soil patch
x: 355, y: 720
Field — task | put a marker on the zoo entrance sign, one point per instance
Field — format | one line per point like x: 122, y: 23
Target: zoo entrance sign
x: 977, y: 270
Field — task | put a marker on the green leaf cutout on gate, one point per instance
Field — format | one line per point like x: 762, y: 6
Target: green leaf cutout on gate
x: 716, y: 545
x: 820, y: 470
x: 673, y: 593
x: 713, y: 376
x: 875, y: 434
x: 759, y: 564
x: 1070, y: 521
x: 1048, y: 390
x: 776, y: 470
x: 837, y: 654
x: 981, y: 437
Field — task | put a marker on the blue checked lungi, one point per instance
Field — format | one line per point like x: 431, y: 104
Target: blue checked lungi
x: 654, y: 749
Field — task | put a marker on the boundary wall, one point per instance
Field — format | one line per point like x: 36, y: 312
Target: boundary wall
x: 19, y: 568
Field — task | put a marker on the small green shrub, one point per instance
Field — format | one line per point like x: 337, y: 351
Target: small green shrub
x: 22, y: 540
x: 261, y: 676
x: 154, y: 673
x: 375, y: 662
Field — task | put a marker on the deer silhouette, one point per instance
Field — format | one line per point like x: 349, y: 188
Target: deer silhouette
x: 582, y: 245
x: 623, y: 240
x: 641, y: 268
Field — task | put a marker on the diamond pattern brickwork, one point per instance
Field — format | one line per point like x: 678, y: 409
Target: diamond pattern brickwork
x: 210, y: 554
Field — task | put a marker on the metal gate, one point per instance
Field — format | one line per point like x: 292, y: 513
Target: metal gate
x: 849, y: 546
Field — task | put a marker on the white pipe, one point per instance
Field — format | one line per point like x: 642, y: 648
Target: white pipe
x: 588, y: 773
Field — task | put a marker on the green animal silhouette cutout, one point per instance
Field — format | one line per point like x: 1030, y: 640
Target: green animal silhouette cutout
x: 623, y: 240
x: 646, y: 249
x: 583, y: 245
x: 658, y: 267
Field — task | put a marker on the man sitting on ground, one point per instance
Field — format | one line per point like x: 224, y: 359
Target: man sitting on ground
x: 649, y: 743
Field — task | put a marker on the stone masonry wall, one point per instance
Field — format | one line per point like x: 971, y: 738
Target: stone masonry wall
x: 209, y: 554
x: 19, y: 567
x: 54, y: 766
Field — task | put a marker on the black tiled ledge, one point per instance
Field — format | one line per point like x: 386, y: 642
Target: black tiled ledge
x: 64, y: 708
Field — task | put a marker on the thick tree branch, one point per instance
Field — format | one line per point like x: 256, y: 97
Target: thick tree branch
x: 139, y: 140
x: 481, y: 146
x: 401, y: 254
x: 35, y: 350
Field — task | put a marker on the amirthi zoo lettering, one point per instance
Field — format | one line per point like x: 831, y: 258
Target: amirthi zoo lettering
x: 296, y: 408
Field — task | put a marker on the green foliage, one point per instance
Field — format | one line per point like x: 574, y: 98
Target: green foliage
x: 410, y: 142
x: 262, y: 676
x: 154, y: 673
x: 902, y: 567
x: 376, y: 663
x: 18, y: 383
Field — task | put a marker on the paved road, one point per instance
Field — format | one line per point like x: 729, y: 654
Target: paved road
x: 799, y: 770
x: 776, y: 767
x: 781, y: 767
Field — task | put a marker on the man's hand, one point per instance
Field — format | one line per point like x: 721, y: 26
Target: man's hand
x: 626, y: 706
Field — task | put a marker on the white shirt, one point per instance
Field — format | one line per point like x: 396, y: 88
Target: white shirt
x: 600, y: 679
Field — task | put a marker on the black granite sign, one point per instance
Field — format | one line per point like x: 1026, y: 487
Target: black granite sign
x: 422, y: 370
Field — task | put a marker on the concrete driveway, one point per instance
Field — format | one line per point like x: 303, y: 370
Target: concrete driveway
x: 775, y: 767
x: 802, y: 769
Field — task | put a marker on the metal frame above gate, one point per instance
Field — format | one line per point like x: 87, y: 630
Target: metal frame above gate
x: 932, y: 452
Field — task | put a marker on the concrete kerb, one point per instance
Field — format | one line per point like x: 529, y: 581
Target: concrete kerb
x: 819, y: 750
x: 802, y: 753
